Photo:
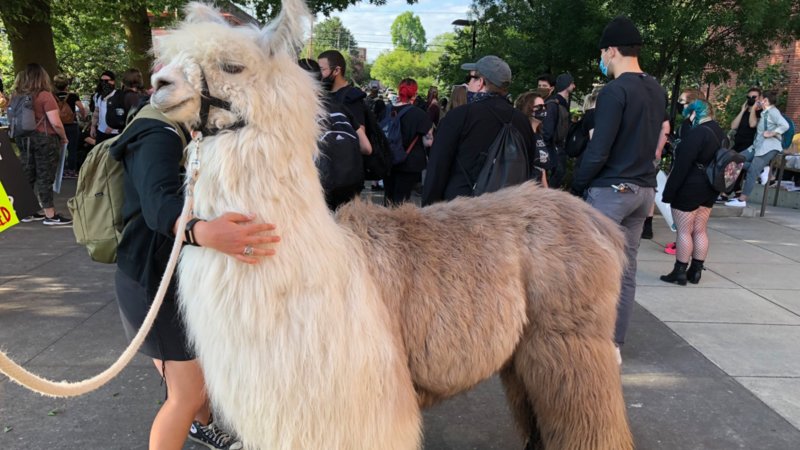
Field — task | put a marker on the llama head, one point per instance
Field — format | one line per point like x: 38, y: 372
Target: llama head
x: 247, y: 75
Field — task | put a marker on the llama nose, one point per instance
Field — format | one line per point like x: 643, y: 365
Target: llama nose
x: 161, y: 82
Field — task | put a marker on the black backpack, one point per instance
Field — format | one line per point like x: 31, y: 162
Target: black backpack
x: 563, y: 124
x: 505, y: 163
x: 340, y: 161
x: 577, y: 139
x: 724, y: 168
x: 116, y: 114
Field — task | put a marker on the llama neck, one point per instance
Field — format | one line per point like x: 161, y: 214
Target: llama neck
x: 252, y: 175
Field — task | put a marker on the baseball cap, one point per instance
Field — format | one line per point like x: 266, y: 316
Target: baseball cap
x: 493, y: 69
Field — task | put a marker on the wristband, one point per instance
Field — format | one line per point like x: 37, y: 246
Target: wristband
x: 189, y: 233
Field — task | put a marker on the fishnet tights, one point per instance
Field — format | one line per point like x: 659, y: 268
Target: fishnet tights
x: 692, y: 239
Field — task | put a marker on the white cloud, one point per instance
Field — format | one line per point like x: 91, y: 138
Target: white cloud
x: 371, y: 24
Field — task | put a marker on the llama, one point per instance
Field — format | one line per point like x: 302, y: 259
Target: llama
x: 363, y: 319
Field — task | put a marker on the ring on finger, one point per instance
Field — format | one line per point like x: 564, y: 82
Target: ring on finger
x: 248, y: 250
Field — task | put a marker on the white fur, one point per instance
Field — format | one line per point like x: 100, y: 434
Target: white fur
x: 297, y: 350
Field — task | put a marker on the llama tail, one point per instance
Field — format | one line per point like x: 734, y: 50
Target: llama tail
x: 50, y: 388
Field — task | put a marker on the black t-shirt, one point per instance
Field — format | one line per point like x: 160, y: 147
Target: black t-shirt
x: 463, y: 137
x: 412, y: 124
x: 628, y: 119
x: 744, y: 134
x: 688, y: 186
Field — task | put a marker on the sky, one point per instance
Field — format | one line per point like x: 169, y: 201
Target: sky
x: 370, y: 24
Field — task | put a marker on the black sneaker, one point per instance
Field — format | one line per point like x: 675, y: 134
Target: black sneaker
x: 213, y: 437
x: 57, y: 219
x: 33, y: 218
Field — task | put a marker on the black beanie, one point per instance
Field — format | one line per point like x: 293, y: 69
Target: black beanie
x: 109, y: 74
x: 620, y: 32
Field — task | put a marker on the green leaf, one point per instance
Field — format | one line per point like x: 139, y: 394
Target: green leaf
x: 6, y: 429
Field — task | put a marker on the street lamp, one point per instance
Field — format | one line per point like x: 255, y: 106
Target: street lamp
x: 469, y: 23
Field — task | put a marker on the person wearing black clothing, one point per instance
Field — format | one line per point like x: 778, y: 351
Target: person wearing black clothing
x: 617, y: 172
x: 746, y: 122
x: 151, y: 152
x: 72, y: 128
x: 340, y: 161
x: 690, y: 194
x: 554, y: 123
x: 467, y: 132
x: 332, y: 68
x: 417, y: 131
x: 531, y: 104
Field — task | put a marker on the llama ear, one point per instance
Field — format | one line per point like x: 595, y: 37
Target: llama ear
x: 197, y: 12
x: 285, y: 33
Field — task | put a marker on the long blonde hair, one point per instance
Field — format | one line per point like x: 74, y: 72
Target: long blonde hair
x: 32, y: 80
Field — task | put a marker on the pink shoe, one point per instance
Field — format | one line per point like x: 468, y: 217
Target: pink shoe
x: 671, y: 249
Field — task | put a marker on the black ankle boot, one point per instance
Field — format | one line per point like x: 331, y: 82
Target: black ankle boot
x: 678, y: 274
x: 695, y: 271
x: 647, y: 230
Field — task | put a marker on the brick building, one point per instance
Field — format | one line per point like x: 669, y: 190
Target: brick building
x: 789, y: 57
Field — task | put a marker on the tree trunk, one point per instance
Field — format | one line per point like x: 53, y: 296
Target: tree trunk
x: 676, y: 92
x: 139, y: 37
x: 30, y: 33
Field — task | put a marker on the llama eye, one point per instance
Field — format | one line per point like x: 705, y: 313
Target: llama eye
x: 231, y: 68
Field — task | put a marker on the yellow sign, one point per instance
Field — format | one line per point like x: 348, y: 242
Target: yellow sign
x: 8, y: 218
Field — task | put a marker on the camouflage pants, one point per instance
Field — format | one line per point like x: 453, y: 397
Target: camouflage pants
x: 39, y: 154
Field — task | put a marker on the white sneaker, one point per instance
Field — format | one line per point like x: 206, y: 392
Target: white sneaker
x: 736, y: 203
x: 764, y: 176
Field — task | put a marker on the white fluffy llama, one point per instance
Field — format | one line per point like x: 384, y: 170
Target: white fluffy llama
x: 340, y: 339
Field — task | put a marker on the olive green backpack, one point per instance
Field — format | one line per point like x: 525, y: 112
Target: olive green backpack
x: 96, y: 207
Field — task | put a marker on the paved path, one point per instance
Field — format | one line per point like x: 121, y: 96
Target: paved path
x: 713, y: 366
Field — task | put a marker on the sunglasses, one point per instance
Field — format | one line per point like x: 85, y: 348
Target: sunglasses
x: 752, y: 97
x: 472, y: 77
x: 539, y: 107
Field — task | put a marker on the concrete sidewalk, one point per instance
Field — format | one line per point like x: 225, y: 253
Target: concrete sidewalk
x: 713, y: 366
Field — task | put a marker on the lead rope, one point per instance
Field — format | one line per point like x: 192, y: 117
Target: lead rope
x: 50, y: 388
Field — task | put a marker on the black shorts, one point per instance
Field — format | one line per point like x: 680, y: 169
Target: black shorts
x: 167, y: 339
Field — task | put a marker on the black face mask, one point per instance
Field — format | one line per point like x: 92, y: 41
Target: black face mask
x: 540, y: 114
x: 327, y: 83
x: 105, y: 88
x: 680, y: 108
x: 751, y: 101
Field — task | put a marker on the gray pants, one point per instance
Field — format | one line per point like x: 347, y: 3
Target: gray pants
x: 628, y: 209
x: 754, y: 165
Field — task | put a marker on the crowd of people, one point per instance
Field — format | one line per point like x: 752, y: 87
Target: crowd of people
x: 436, y: 144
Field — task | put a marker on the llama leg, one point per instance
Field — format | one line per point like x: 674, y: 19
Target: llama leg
x: 574, y: 385
x: 521, y: 407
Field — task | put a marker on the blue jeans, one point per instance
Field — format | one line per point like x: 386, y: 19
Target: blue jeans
x: 629, y: 210
x: 753, y: 165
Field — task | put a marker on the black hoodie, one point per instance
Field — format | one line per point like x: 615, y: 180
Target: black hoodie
x: 151, y: 152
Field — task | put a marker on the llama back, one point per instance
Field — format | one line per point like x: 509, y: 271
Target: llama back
x: 534, y: 249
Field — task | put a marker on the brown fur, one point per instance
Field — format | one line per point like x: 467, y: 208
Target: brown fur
x: 523, y: 282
